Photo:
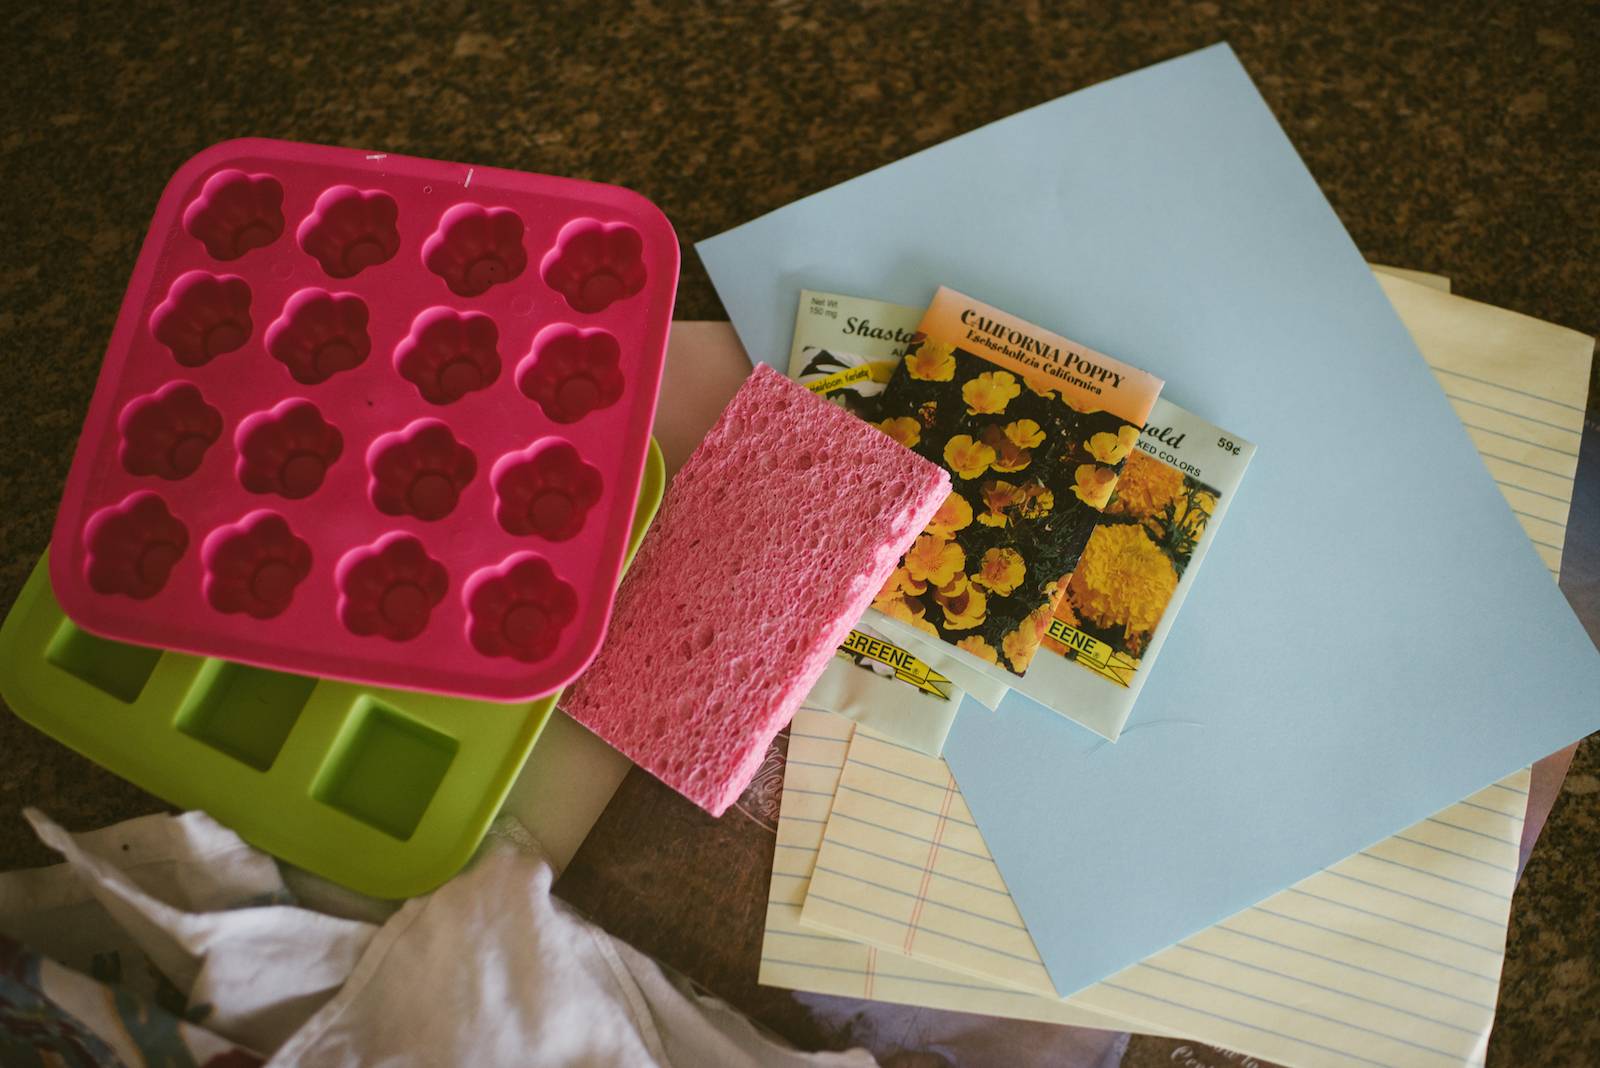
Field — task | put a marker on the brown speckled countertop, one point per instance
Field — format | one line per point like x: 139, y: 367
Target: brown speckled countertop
x: 1451, y: 137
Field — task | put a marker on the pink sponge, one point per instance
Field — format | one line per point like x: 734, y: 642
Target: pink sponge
x: 770, y: 544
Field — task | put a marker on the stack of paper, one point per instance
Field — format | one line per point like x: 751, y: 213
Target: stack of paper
x: 1373, y: 637
x: 883, y: 885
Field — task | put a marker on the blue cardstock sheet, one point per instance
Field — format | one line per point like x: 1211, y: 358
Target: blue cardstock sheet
x: 1372, y: 637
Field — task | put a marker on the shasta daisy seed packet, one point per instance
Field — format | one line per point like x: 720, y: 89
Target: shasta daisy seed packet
x: 845, y: 348
x: 1115, y: 610
x: 1034, y: 430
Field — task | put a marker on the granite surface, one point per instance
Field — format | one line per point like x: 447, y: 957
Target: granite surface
x: 1452, y: 137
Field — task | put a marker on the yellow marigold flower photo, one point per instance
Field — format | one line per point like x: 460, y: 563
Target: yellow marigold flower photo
x: 934, y: 560
x: 999, y: 495
x: 1008, y: 456
x: 966, y: 457
x: 974, y: 644
x: 1190, y: 514
x: 1019, y: 646
x: 1024, y: 434
x: 903, y: 429
x: 953, y: 515
x: 1000, y: 571
x: 990, y: 392
x: 909, y: 612
x: 1113, y: 448
x: 1122, y: 580
x: 932, y: 362
x: 1146, y: 487
x: 1093, y: 484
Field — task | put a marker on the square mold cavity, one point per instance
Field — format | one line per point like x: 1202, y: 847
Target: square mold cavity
x: 243, y: 711
x: 385, y: 769
x: 113, y: 668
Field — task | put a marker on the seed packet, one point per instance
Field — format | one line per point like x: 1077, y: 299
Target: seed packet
x: 1034, y: 430
x: 885, y: 686
x: 1115, y: 610
x: 845, y: 348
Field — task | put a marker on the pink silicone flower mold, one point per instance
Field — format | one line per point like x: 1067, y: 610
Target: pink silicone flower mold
x: 518, y: 609
x: 546, y: 489
x: 254, y: 565
x: 287, y: 449
x: 475, y: 248
x: 419, y: 471
x: 389, y: 588
x: 449, y: 354
x: 236, y: 212
x: 204, y: 316
x: 133, y: 546
x: 350, y: 230
x: 571, y: 372
x: 320, y: 334
x: 594, y: 264
x: 167, y: 433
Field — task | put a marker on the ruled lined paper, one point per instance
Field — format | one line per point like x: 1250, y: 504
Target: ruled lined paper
x: 1519, y: 385
x: 800, y: 959
x: 1391, y: 957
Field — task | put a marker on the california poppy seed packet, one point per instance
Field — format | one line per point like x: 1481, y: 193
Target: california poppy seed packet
x: 1034, y: 430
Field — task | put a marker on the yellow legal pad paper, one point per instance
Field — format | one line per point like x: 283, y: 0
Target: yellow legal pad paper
x: 1519, y: 385
x: 798, y: 958
x: 1422, y: 278
x: 1391, y: 957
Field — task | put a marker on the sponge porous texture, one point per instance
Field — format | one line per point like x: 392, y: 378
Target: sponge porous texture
x: 770, y: 544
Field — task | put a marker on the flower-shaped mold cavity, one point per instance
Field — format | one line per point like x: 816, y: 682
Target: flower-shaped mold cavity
x: 419, y: 471
x: 236, y: 212
x: 204, y: 316
x: 254, y: 565
x: 518, y: 609
x: 132, y: 546
x: 571, y: 372
x: 595, y: 264
x: 475, y: 248
x: 546, y: 489
x: 287, y: 449
x: 350, y: 230
x: 167, y: 433
x: 389, y: 588
x: 449, y: 354
x: 320, y: 334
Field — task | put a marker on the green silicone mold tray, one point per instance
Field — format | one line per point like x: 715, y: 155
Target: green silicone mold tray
x: 386, y: 792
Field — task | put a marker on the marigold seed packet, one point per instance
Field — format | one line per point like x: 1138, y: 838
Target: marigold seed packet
x: 1034, y: 430
x: 846, y: 348
x: 1115, y: 610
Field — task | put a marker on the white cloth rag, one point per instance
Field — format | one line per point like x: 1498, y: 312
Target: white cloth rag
x: 488, y: 969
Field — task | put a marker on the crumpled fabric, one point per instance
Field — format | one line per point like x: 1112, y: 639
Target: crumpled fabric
x: 488, y: 969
